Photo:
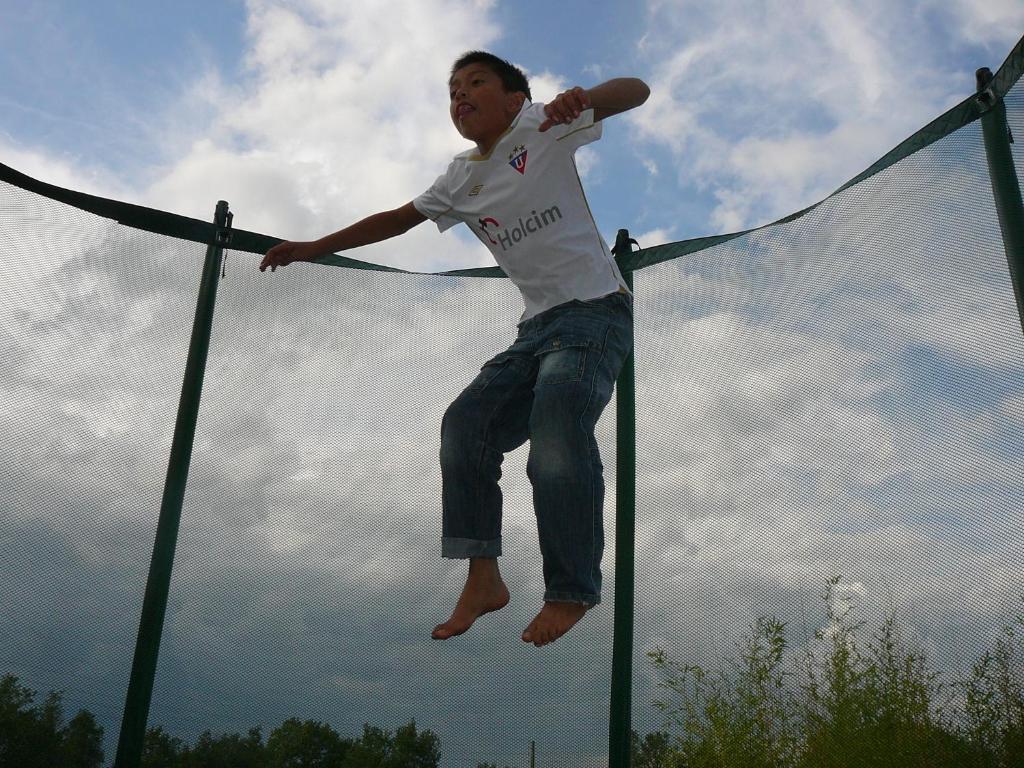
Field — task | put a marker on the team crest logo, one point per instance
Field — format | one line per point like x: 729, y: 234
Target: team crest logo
x: 517, y: 158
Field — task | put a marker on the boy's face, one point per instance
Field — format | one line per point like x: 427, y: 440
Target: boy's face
x: 480, y: 107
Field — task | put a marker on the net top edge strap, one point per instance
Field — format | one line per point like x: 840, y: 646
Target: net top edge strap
x: 1010, y: 71
x: 129, y: 214
x: 161, y: 222
x: 964, y: 113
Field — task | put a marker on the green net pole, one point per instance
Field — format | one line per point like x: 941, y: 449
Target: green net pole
x: 1005, y: 187
x: 154, y: 604
x: 620, y: 720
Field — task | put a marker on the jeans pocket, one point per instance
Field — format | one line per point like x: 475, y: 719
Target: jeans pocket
x: 562, y: 360
x: 488, y: 373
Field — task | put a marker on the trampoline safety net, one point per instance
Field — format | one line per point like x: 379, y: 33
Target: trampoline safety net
x: 830, y: 441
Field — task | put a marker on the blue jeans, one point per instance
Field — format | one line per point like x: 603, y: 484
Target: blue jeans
x: 549, y: 387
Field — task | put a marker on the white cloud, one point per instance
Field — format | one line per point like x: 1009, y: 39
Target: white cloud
x: 654, y: 237
x: 994, y: 23
x: 332, y: 126
x: 770, y: 112
x: 68, y: 172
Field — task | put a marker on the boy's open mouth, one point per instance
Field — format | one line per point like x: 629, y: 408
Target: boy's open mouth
x: 464, y: 109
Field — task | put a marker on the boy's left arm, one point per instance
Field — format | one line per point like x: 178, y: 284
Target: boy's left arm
x: 607, y: 99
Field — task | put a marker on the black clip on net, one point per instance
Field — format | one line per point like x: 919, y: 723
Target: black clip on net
x: 223, y: 239
x: 986, y: 98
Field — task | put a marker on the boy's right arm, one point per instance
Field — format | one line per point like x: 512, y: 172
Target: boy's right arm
x: 372, y: 229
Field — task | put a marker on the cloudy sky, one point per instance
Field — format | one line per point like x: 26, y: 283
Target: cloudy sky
x: 838, y: 396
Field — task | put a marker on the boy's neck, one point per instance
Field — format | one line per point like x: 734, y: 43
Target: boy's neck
x: 486, y: 149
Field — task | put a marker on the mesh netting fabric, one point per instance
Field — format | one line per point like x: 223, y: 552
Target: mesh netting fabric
x: 839, y: 395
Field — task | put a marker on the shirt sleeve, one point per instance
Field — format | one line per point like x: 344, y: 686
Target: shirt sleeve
x: 579, y: 132
x: 436, y: 204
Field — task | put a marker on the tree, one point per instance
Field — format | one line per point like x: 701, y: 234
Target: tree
x: 854, y: 705
x: 994, y: 699
x: 309, y: 744
x: 406, y: 748
x: 738, y: 717
x: 27, y: 735
x: 654, y: 751
x: 414, y: 750
x: 228, y: 751
x: 160, y: 750
x: 82, y: 742
x: 34, y: 736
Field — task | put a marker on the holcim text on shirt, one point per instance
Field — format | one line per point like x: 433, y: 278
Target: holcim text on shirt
x: 509, y: 236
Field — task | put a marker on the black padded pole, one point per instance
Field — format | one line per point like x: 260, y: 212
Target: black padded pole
x: 1005, y: 187
x: 621, y: 718
x: 154, y: 603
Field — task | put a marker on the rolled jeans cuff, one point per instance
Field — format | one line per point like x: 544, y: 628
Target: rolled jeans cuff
x: 460, y: 549
x: 571, y: 597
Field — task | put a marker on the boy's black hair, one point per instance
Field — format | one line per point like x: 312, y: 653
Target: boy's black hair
x: 512, y: 78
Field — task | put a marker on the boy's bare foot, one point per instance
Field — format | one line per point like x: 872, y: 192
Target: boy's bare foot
x: 484, y: 592
x: 553, y: 621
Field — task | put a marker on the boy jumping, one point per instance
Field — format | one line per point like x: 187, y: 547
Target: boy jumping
x: 520, y: 194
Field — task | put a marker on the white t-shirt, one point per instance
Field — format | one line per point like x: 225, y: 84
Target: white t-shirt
x: 526, y: 204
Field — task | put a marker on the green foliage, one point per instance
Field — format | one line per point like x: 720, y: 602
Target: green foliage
x: 309, y: 744
x: 297, y: 744
x: 867, y: 707
x: 842, y: 703
x: 654, y: 751
x: 404, y: 749
x: 847, y: 704
x: 81, y: 741
x: 994, y: 700
x: 227, y: 751
x: 34, y: 735
x: 161, y: 750
x: 739, y: 717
